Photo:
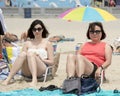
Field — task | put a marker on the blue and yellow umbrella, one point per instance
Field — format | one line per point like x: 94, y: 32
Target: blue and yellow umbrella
x: 87, y: 14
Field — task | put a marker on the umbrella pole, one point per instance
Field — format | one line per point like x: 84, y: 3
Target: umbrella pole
x: 103, y: 3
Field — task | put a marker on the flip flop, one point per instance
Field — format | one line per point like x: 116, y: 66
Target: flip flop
x: 50, y: 88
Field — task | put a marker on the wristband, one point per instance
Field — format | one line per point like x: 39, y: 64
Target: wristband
x: 102, y: 67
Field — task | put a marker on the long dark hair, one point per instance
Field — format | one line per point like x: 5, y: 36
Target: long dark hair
x: 45, y: 32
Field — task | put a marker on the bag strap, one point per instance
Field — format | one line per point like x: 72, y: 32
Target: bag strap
x: 85, y: 76
x: 79, y: 86
x: 98, y: 89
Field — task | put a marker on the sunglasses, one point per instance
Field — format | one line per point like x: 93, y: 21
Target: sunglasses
x: 96, y: 31
x: 35, y: 29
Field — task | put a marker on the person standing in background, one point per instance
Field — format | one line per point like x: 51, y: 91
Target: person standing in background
x: 8, y: 3
x: 3, y: 29
x: 112, y: 3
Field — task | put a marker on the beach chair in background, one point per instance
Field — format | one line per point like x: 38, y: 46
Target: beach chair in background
x: 11, y: 53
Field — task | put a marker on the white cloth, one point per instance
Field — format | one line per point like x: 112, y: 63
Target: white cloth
x: 41, y: 52
x: 2, y: 21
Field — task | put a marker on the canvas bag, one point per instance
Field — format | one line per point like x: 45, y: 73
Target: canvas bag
x: 71, y: 85
x: 88, y: 84
x: 80, y: 85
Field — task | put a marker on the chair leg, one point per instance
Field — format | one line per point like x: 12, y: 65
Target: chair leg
x: 102, y: 77
x: 45, y: 77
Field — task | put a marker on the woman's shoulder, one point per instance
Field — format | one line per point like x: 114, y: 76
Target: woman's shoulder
x: 27, y: 43
x: 46, y: 41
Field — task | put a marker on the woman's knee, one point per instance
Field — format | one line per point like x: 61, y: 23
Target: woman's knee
x: 70, y: 56
x: 30, y: 54
x: 22, y: 54
x: 79, y: 57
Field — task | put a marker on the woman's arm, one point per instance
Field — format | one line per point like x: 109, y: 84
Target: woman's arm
x: 50, y: 60
x: 108, y: 56
x: 25, y: 46
x: 79, y: 51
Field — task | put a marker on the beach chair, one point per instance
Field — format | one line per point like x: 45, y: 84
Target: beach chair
x: 11, y: 53
x: 102, y: 76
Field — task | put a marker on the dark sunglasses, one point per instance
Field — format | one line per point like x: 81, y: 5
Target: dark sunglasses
x: 35, y: 29
x: 96, y: 31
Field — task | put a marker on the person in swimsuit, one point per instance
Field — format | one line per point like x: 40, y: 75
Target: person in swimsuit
x: 93, y: 56
x: 37, y: 54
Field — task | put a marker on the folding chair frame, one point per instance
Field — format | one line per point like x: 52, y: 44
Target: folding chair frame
x: 48, y: 69
x: 47, y: 72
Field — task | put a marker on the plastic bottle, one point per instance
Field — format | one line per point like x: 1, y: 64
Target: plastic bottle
x: 77, y: 47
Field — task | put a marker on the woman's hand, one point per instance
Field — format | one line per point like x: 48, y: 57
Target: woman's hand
x: 98, y: 73
x: 37, y: 54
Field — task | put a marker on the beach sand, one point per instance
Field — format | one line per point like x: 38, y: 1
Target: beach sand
x: 76, y: 30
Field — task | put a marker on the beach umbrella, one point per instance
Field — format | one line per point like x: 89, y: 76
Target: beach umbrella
x: 87, y: 14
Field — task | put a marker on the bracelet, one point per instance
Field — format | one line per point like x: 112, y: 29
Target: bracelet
x: 102, y: 67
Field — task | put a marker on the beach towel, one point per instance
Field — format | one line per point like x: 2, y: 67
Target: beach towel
x: 3, y: 74
x: 12, y: 53
x: 36, y: 92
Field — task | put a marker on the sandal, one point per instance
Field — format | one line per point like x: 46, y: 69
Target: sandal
x: 50, y: 88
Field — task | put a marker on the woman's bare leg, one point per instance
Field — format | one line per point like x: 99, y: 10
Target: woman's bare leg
x: 36, y: 67
x: 16, y: 67
x: 83, y: 66
x: 70, y: 66
x: 32, y: 67
x: 41, y: 66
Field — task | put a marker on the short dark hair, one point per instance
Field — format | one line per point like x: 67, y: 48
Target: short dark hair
x: 45, y: 32
x: 92, y: 27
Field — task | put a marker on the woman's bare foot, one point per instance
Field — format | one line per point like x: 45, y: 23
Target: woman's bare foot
x: 5, y: 82
x: 33, y: 83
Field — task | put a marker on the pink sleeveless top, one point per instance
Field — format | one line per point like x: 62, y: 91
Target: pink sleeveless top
x: 94, y: 52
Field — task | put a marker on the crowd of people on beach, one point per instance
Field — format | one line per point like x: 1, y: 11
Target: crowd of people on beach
x: 25, y: 3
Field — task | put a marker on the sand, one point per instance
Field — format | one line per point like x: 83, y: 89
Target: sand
x: 76, y: 30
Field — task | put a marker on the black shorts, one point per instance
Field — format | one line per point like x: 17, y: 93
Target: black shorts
x: 92, y: 75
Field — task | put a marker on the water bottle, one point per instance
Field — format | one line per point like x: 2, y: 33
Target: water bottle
x: 54, y: 47
x: 77, y: 47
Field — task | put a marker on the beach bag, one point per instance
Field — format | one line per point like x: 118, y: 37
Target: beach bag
x: 89, y: 85
x: 71, y: 85
x: 81, y: 85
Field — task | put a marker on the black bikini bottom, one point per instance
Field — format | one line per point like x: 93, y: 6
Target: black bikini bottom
x: 92, y: 75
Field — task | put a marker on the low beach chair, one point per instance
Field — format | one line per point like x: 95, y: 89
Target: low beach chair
x: 102, y: 76
x: 11, y: 53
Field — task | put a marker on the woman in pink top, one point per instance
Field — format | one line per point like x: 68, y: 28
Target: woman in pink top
x: 93, y: 56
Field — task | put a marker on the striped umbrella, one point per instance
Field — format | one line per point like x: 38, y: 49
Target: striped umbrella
x: 87, y: 14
